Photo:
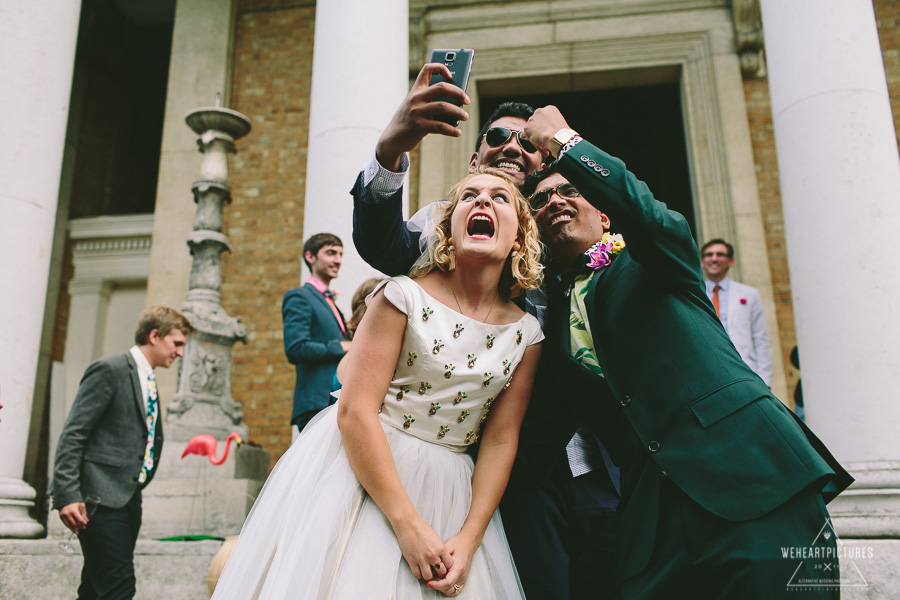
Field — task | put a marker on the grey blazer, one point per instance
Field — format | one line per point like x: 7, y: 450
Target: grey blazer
x: 101, y: 448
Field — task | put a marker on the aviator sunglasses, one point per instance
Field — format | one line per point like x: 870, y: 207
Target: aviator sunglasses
x: 539, y: 200
x: 497, y: 136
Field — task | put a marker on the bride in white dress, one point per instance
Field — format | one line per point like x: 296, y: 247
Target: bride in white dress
x: 378, y: 497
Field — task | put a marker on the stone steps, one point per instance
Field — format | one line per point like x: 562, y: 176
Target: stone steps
x: 39, y: 570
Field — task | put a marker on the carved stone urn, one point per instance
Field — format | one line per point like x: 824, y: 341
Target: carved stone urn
x: 203, y: 402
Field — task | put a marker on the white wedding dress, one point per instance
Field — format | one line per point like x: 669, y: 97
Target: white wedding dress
x: 314, y: 533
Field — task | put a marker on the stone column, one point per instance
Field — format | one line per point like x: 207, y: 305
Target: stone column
x: 191, y: 496
x: 360, y: 75
x: 840, y: 185
x: 200, y: 67
x: 37, y: 58
x: 203, y: 403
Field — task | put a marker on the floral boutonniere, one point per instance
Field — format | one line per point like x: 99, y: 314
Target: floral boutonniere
x: 743, y: 301
x: 600, y: 254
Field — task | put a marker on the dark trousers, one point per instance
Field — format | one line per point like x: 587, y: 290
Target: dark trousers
x: 108, y: 547
x: 700, y: 556
x: 561, y: 535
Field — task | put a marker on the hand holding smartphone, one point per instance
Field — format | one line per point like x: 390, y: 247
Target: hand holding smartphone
x: 459, y: 63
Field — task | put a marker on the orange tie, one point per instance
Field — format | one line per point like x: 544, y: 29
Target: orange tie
x: 715, y: 299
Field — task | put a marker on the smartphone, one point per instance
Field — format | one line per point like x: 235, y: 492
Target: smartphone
x: 459, y: 62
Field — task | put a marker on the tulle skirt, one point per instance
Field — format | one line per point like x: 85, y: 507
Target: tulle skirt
x: 314, y: 533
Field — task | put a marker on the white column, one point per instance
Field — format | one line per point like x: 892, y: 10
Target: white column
x: 37, y: 58
x: 840, y: 186
x: 360, y: 75
x: 89, y: 300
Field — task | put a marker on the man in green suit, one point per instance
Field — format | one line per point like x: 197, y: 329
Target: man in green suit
x: 718, y: 477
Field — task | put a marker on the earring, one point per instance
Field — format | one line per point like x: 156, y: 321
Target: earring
x: 517, y: 246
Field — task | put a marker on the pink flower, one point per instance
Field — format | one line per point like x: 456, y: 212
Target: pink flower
x: 743, y: 301
x: 598, y: 259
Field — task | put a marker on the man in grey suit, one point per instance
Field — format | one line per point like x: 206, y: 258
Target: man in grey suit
x: 110, y: 446
x: 739, y: 307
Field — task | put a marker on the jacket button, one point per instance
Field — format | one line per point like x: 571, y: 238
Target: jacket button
x: 591, y: 164
x: 653, y: 446
x: 604, y: 172
x: 625, y: 401
x: 584, y: 159
x: 135, y: 478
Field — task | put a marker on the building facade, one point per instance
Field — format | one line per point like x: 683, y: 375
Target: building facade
x: 680, y: 90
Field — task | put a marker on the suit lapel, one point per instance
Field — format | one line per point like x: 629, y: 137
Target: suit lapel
x: 136, y: 389
x: 321, y: 298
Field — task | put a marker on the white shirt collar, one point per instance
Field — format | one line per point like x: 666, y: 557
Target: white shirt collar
x: 143, y: 365
x: 723, y: 284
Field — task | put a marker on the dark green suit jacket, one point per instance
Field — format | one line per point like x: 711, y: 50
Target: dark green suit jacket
x: 677, y: 398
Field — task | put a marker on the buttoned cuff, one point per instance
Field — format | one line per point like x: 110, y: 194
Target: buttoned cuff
x: 569, y: 145
x: 381, y: 182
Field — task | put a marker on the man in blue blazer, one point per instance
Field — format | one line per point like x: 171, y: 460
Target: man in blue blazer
x: 315, y: 335
x: 110, y: 447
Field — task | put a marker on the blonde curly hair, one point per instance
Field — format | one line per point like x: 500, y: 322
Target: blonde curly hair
x: 523, y: 270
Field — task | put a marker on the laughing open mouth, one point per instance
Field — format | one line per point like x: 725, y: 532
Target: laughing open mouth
x: 561, y: 217
x: 507, y: 165
x: 480, y: 226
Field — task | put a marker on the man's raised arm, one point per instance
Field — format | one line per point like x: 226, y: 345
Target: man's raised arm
x: 380, y: 234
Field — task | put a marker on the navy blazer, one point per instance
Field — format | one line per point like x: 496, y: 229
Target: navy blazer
x: 312, y: 343
x: 380, y: 233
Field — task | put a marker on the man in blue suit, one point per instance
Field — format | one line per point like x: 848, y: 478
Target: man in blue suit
x: 315, y: 335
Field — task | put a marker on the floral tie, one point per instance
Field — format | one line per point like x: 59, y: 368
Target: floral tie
x: 152, y: 413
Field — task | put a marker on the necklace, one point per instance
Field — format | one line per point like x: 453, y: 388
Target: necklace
x: 484, y: 320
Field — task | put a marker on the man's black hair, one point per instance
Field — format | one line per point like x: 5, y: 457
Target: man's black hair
x: 532, y: 181
x: 718, y: 241
x: 507, y: 109
x: 535, y: 178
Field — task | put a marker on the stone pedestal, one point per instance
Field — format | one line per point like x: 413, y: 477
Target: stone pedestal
x: 191, y: 496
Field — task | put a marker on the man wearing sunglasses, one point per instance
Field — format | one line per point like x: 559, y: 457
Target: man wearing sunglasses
x: 379, y: 232
x: 718, y: 477
x: 560, y: 528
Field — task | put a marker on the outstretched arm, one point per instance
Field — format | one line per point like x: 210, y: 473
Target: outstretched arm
x: 371, y: 362
x: 656, y: 237
x: 380, y: 234
x: 496, y: 454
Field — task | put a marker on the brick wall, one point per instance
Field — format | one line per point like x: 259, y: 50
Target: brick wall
x: 762, y: 136
x: 887, y: 15
x: 271, y: 85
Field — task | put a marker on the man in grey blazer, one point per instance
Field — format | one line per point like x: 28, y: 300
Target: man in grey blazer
x: 110, y: 446
x: 739, y: 307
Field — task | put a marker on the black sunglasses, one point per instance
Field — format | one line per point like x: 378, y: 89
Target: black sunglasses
x: 497, y: 136
x: 539, y: 200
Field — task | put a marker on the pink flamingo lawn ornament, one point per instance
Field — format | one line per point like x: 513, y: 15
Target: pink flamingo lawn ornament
x: 206, y: 444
